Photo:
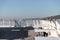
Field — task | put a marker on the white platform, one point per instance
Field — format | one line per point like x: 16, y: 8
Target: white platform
x: 47, y: 38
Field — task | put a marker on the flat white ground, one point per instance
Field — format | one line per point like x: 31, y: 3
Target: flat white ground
x: 46, y: 38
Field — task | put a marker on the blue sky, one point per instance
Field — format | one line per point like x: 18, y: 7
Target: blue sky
x: 29, y: 8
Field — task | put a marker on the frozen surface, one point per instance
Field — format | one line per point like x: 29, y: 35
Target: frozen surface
x: 46, y: 38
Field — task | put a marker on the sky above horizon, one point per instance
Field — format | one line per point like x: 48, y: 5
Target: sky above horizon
x: 29, y: 8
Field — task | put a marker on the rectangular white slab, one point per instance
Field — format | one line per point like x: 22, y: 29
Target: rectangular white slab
x: 47, y: 38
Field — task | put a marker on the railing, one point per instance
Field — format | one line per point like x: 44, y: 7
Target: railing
x: 9, y: 23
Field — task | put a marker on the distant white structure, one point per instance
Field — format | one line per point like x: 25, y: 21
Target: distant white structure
x: 52, y: 28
